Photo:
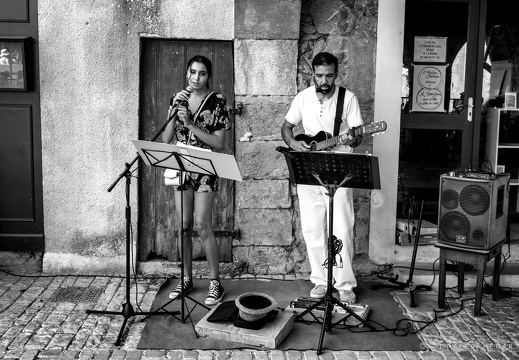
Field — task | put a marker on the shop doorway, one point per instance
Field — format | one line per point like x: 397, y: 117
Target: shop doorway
x: 445, y: 92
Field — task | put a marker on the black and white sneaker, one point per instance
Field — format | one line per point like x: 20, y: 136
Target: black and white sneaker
x: 188, y: 286
x: 215, y: 294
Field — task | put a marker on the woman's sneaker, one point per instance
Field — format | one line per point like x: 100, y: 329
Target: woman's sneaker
x: 215, y: 294
x: 188, y: 286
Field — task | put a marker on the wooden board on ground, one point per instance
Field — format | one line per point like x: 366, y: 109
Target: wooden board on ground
x: 269, y: 336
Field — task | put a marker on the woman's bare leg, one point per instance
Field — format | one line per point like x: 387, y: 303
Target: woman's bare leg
x: 204, y: 226
x: 187, y: 227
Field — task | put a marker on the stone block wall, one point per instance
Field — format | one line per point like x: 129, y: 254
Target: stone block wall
x: 265, y: 52
x: 275, y: 42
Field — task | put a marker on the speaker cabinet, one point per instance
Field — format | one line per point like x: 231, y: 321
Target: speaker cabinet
x: 473, y: 211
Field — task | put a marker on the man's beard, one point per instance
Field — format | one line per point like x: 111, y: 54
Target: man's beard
x: 326, y: 90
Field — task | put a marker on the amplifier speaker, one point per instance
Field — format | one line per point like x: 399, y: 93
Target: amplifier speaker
x: 473, y: 212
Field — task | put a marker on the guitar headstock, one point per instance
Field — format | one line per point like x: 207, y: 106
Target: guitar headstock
x: 368, y: 129
x: 376, y: 128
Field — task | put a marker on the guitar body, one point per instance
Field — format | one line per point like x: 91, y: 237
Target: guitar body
x: 314, y: 140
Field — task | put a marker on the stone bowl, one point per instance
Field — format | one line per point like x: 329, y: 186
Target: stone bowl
x: 254, y: 306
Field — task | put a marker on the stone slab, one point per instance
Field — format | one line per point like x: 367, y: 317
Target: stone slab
x: 269, y: 336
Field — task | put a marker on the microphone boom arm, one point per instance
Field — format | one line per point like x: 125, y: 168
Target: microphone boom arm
x: 170, y: 117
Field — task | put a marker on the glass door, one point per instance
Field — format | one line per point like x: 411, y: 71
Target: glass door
x: 439, y: 97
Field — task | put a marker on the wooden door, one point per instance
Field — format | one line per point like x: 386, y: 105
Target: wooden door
x: 163, y: 69
x: 21, y: 186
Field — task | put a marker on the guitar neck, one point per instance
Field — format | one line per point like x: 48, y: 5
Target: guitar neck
x: 340, y: 138
x: 329, y: 142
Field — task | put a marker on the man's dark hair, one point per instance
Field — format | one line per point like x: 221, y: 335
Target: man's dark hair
x: 325, y: 58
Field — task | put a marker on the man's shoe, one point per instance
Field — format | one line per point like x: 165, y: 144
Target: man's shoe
x: 188, y: 286
x: 347, y: 296
x: 215, y: 294
x: 318, y: 291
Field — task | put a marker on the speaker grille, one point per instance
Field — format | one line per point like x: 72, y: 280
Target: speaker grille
x: 474, y: 200
x: 454, y: 224
x: 450, y: 199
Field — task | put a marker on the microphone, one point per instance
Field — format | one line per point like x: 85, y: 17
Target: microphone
x: 173, y: 110
x: 189, y: 89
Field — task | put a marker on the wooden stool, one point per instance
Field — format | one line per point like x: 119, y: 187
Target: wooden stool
x: 469, y: 256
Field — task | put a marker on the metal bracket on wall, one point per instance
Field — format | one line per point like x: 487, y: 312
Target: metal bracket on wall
x: 238, y: 109
x: 235, y: 234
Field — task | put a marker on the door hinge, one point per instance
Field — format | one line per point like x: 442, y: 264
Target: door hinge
x: 235, y: 234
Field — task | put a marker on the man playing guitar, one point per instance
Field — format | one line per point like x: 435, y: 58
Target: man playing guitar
x: 316, y: 108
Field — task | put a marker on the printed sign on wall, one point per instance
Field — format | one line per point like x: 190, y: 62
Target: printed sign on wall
x: 430, y: 49
x: 429, y: 88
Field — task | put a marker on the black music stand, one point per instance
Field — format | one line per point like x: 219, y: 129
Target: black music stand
x: 332, y: 170
x: 186, y: 158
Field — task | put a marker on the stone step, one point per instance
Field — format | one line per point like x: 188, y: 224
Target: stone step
x: 423, y: 274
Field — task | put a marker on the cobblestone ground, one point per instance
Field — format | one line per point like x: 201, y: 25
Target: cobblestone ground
x: 33, y: 325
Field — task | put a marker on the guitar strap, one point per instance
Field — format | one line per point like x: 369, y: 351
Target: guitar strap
x: 338, y: 113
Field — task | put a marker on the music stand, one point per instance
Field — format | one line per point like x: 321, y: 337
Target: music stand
x: 196, y: 160
x: 332, y: 170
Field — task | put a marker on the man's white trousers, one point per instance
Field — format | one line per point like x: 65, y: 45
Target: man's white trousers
x: 313, y: 204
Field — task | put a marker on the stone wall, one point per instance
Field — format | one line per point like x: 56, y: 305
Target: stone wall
x: 266, y: 50
x: 271, y: 67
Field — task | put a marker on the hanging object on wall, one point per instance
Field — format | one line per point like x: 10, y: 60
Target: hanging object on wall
x: 15, y: 64
x: 430, y: 49
x: 429, y: 88
x: 429, y: 68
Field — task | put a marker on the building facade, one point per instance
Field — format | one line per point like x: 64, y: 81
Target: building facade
x: 90, y: 87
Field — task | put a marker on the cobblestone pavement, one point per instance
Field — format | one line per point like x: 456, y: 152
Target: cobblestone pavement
x: 34, y: 324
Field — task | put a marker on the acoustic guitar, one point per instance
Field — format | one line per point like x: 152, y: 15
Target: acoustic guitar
x: 323, y: 140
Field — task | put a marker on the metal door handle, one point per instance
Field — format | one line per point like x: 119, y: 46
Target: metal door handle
x: 469, y: 109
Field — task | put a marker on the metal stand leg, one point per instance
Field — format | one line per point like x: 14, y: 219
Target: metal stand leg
x: 182, y: 297
x: 127, y: 311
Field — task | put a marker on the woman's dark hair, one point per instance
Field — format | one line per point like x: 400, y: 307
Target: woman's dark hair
x: 203, y: 60
x: 325, y: 58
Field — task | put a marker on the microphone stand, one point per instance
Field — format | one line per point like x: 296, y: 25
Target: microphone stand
x: 127, y: 308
